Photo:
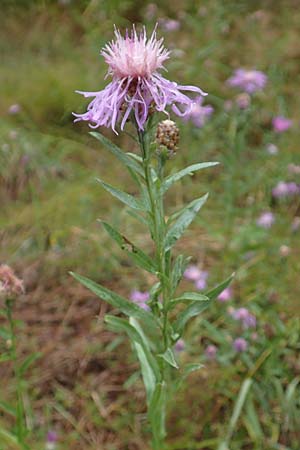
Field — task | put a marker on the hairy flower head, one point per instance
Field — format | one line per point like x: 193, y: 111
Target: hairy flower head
x: 137, y: 87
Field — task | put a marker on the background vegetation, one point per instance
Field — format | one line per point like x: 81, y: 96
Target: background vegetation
x: 85, y: 383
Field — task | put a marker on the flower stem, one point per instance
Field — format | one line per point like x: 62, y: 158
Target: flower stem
x: 20, y: 413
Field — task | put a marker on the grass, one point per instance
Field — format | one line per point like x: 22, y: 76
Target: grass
x: 51, y: 202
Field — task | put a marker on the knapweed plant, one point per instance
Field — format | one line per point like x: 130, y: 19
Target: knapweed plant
x: 138, y: 93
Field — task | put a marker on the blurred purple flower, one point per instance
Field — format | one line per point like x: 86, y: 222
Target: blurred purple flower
x: 201, y: 282
x: 137, y: 86
x: 266, y: 220
x: 169, y: 24
x: 51, y: 440
x: 225, y: 295
x: 243, y: 100
x: 14, y: 109
x: 272, y: 149
x: 249, y: 81
x: 295, y: 224
x: 211, y: 352
x: 192, y: 272
x: 247, y: 319
x: 199, y: 114
x: 240, y: 345
x: 180, y: 345
x: 281, y: 124
x: 140, y: 298
x: 285, y: 189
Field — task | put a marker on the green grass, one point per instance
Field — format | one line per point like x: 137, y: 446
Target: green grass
x: 50, y: 203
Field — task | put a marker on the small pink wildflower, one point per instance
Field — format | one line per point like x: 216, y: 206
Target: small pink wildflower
x: 247, y: 319
x: 285, y: 189
x: 281, y: 124
x: 14, y: 109
x: 225, y: 295
x: 140, y: 298
x: 201, y: 282
x: 192, y: 273
x: 180, y: 345
x: 199, y: 114
x: 137, y: 86
x: 10, y: 285
x: 266, y: 220
x: 169, y: 25
x: 240, y: 345
x: 272, y: 149
x: 249, y: 81
x: 211, y: 352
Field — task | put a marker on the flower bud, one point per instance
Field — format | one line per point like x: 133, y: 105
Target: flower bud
x: 167, y: 135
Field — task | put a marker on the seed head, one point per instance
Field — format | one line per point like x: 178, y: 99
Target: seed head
x: 10, y: 285
x: 167, y: 135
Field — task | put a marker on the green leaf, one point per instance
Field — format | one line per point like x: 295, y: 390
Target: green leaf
x: 192, y: 367
x: 156, y: 411
x: 238, y: 407
x: 5, y: 334
x: 183, y: 221
x: 125, y: 198
x: 8, y: 409
x: 28, y: 361
x: 121, y: 303
x: 9, y: 437
x: 179, y: 267
x: 213, y: 293
x: 138, y: 256
x: 149, y: 367
x: 170, y: 180
x: 169, y: 357
x: 190, y: 311
x: 190, y: 296
x: 123, y: 157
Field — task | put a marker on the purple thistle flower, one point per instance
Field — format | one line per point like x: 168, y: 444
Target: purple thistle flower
x: 281, y: 124
x: 140, y: 298
x: 136, y: 86
x: 169, y: 24
x: 192, y: 273
x: 266, y: 220
x: 201, y: 282
x: 198, y: 113
x: 240, y: 345
x: 249, y: 81
x: 180, y: 345
x: 14, y: 109
x: 284, y: 189
x: 225, y: 295
x: 210, y: 352
x: 51, y: 440
x: 247, y: 319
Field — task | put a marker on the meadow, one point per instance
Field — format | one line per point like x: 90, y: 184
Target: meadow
x: 83, y: 382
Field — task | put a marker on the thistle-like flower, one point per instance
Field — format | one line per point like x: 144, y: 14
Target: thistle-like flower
x: 137, y: 87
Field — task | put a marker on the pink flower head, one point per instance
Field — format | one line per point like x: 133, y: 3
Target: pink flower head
x: 266, y: 220
x: 180, y: 345
x: 170, y: 24
x: 240, y: 345
x: 211, y: 351
x: 192, y: 273
x: 137, y: 86
x: 201, y: 282
x: 247, y: 319
x: 51, y: 440
x: 198, y: 113
x: 14, y: 109
x: 285, y: 189
x: 281, y: 124
x: 225, y: 295
x: 249, y: 81
x: 140, y: 298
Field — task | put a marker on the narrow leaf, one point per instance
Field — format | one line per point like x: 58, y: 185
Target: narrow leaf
x: 138, y: 256
x: 179, y: 267
x: 170, y: 180
x: 123, y: 157
x: 28, y: 361
x: 121, y: 303
x: 213, y: 293
x: 125, y: 198
x: 7, y: 408
x: 190, y: 296
x: 5, y: 334
x: 183, y: 221
x: 190, y: 311
x: 157, y: 411
x: 169, y: 357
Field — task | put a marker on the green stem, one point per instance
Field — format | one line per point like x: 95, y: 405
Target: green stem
x: 20, y: 413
